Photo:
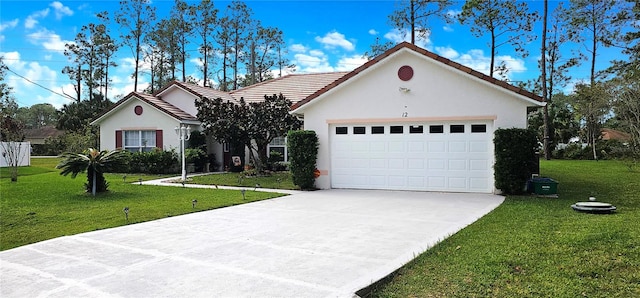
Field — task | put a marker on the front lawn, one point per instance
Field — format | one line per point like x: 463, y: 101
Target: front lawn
x: 276, y: 180
x: 44, y: 205
x: 540, y: 247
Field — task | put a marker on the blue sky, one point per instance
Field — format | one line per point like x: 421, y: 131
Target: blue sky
x: 321, y: 36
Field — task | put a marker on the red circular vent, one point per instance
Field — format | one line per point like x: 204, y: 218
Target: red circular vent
x: 405, y: 73
x: 138, y: 110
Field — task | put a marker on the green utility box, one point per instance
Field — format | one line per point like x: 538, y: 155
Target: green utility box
x: 544, y: 186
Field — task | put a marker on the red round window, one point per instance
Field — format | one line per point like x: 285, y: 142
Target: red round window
x: 405, y: 73
x: 138, y: 110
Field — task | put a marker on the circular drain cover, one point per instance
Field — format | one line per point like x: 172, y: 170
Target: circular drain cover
x: 593, y: 207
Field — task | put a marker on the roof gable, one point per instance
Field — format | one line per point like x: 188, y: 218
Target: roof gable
x: 154, y: 101
x: 429, y: 55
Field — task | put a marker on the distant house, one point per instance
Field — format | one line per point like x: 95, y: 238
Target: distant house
x: 405, y: 120
x: 37, y: 136
x: 612, y: 134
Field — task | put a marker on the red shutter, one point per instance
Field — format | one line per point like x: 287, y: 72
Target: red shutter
x: 159, y: 139
x: 118, y: 139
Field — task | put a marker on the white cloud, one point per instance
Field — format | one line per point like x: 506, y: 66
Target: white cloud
x: 447, y: 52
x: 308, y: 64
x: 316, y: 53
x: 350, y: 63
x: 48, y: 39
x: 335, y: 39
x: 60, y: 10
x: 26, y: 92
x: 477, y: 60
x: 7, y: 25
x: 32, y: 19
x: 298, y: 48
x: 447, y: 28
x: 373, y: 32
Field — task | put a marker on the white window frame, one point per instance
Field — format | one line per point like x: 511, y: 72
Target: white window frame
x: 142, y: 144
x: 279, y: 142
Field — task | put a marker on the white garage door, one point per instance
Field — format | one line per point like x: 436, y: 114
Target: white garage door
x: 447, y: 156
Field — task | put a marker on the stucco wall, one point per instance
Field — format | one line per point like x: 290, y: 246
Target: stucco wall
x: 182, y: 100
x: 126, y: 119
x: 436, y: 91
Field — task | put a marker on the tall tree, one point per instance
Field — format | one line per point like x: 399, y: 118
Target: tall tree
x: 507, y: 22
x: 240, y: 25
x: 543, y: 79
x: 625, y: 92
x: 135, y: 18
x: 592, y: 24
x: 629, y: 41
x: 555, y: 67
x: 106, y: 49
x: 38, y: 115
x: 223, y: 38
x: 591, y: 103
x: 183, y: 31
x: 203, y: 19
x: 414, y: 15
x: 264, y: 53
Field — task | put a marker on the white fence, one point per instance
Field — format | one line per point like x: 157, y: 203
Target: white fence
x: 11, y: 151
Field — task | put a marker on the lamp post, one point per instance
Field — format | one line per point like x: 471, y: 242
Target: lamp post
x: 183, y: 133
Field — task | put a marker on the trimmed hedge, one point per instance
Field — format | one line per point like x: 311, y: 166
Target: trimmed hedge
x: 516, y: 159
x: 155, y: 161
x: 302, y: 146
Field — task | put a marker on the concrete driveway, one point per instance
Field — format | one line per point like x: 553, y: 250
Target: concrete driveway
x: 314, y: 244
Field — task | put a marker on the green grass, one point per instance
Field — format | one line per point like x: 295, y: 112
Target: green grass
x: 44, y: 205
x: 540, y: 247
x: 277, y: 180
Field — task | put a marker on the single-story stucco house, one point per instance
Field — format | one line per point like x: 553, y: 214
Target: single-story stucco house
x: 405, y: 120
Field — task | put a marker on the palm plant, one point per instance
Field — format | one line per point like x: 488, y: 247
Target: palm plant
x: 95, y: 162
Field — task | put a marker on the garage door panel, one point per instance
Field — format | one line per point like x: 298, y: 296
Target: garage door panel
x: 439, y: 161
x: 457, y: 146
x: 478, y: 165
x: 457, y: 165
x: 457, y: 183
x: 478, y: 146
x: 416, y: 182
x: 397, y: 181
x: 437, y: 147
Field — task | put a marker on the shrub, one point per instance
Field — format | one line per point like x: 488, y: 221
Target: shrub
x: 155, y: 161
x: 303, y: 152
x: 515, y: 151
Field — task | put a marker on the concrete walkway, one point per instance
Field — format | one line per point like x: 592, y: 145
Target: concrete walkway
x: 312, y: 244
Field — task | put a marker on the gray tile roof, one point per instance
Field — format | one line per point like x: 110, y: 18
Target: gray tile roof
x: 294, y: 87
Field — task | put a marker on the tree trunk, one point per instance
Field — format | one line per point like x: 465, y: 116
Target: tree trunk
x: 493, y: 52
x: 543, y: 68
x: 413, y: 22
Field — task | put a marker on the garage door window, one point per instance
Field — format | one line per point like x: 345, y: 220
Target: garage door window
x: 342, y: 130
x: 436, y: 128
x: 396, y: 129
x: 478, y: 128
x: 416, y: 129
x: 456, y: 128
x: 359, y: 130
x: 377, y: 130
